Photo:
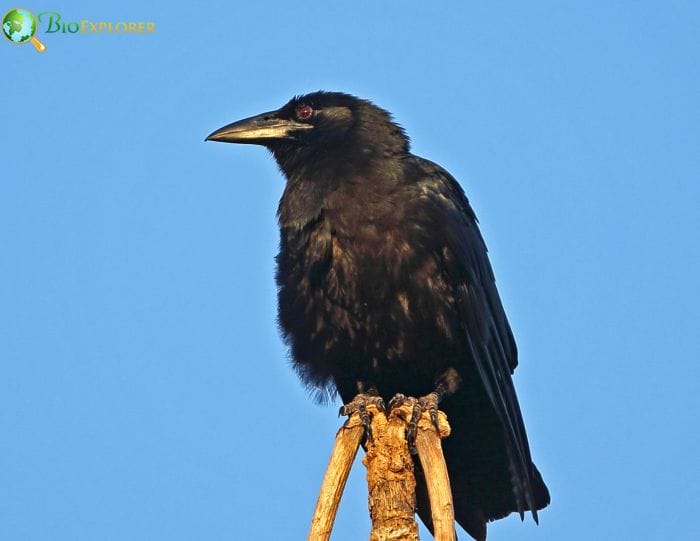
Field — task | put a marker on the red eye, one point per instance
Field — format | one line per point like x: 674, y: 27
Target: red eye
x: 304, y: 112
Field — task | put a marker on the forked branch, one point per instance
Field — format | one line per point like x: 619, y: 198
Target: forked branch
x: 390, y: 477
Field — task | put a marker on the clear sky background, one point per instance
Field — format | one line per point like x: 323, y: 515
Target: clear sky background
x: 144, y: 390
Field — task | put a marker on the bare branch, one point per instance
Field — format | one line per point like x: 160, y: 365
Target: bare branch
x: 436, y: 478
x: 390, y: 479
x: 347, y: 441
x: 390, y: 476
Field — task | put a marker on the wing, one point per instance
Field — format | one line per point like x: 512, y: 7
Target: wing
x: 463, y: 257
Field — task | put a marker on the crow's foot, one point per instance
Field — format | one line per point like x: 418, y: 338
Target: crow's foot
x: 359, y: 405
x: 425, y: 403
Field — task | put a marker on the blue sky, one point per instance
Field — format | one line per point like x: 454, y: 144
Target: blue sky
x: 144, y: 390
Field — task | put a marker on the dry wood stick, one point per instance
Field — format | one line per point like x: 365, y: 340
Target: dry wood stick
x: 436, y: 478
x: 347, y: 441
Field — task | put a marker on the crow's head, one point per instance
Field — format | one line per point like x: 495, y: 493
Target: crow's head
x: 322, y: 126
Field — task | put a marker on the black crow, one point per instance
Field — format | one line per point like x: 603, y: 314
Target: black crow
x: 386, y: 290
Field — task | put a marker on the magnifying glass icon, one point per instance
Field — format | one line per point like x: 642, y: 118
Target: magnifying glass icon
x: 19, y: 26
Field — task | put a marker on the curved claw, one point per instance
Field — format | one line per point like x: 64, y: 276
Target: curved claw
x: 359, y: 405
x: 429, y: 403
x: 397, y: 401
x: 412, y: 427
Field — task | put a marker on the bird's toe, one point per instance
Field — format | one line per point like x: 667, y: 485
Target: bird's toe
x: 360, y: 405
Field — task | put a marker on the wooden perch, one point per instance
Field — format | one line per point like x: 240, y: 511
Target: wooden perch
x: 436, y: 478
x: 347, y: 440
x: 390, y: 478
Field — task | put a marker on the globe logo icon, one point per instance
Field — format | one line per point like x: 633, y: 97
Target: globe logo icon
x: 19, y: 26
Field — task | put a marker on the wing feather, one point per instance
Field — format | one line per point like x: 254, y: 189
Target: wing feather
x: 485, y: 327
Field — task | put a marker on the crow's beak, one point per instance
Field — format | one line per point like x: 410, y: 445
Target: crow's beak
x: 258, y: 130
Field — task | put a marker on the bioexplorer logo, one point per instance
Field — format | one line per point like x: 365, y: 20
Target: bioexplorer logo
x: 19, y: 25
